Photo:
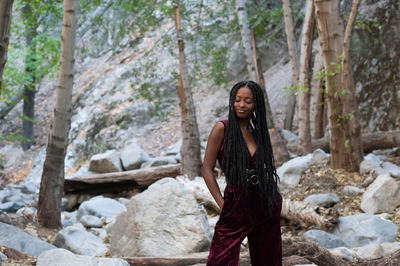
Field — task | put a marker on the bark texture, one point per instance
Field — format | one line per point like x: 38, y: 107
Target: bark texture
x: 5, y: 22
x: 190, y: 150
x: 318, y: 105
x: 51, y: 186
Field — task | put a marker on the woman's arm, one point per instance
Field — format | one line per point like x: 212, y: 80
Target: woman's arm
x: 213, y: 145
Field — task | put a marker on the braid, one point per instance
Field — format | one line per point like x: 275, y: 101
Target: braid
x: 236, y: 157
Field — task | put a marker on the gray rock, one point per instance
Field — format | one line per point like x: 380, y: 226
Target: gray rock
x: 76, y: 239
x: 325, y: 239
x: 63, y: 257
x: 158, y: 161
x: 91, y: 221
x: 393, y: 169
x: 9, y: 206
x: 3, y: 257
x: 100, y: 207
x: 105, y: 162
x: 174, y: 149
x: 132, y: 156
x: 290, y: 172
x: 289, y: 136
x: 13, y: 237
x: 319, y: 156
x: 30, y: 188
x: 370, y: 252
x: 383, y: 195
x: 27, y: 211
x: 363, y: 229
x: 373, y: 165
x: 323, y: 199
x: 66, y: 223
x: 343, y: 252
x: 164, y: 220
x: 100, y: 232
x: 351, y: 191
x: 390, y: 248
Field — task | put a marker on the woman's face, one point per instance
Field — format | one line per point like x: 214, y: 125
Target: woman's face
x: 244, y: 103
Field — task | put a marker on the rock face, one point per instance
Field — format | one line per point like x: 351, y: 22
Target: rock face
x: 383, y: 195
x: 13, y: 237
x: 63, y: 257
x: 363, y: 229
x: 105, y: 162
x: 164, y: 220
x: 76, y: 239
x: 100, y: 207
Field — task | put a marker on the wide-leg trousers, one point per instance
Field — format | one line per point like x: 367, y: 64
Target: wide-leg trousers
x: 243, y: 215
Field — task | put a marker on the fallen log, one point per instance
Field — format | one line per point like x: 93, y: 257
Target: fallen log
x: 371, y: 141
x: 147, y: 261
x: 306, y: 214
x: 118, y: 181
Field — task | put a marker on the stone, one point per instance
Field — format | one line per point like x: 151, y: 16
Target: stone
x: 390, y: 248
x: 76, y: 239
x: 132, y: 156
x: 363, y: 229
x: 27, y: 211
x: 370, y: 252
x: 393, y: 169
x: 290, y: 172
x: 351, y: 191
x: 323, y: 199
x: 319, y: 156
x: 289, y: 136
x: 343, y: 252
x: 13, y: 237
x: 100, y: 232
x: 91, y: 221
x: 383, y: 195
x: 105, y: 162
x: 325, y: 239
x: 63, y: 257
x: 164, y: 220
x: 158, y: 161
x: 100, y: 207
x: 174, y: 149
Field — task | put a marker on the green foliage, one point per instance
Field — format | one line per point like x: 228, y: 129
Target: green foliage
x: 368, y: 25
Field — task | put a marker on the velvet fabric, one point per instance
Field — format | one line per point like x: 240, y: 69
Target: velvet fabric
x: 243, y: 215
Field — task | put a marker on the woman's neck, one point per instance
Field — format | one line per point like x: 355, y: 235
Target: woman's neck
x: 244, y: 123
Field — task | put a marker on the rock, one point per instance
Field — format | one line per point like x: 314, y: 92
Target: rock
x: 13, y: 237
x: 132, y: 156
x: 383, y: 195
x: 164, y: 220
x: 319, y: 156
x: 393, y: 169
x: 100, y: 232
x: 12, y: 156
x: 3, y: 257
x: 289, y: 136
x: 91, y: 221
x: 30, y: 188
x: 27, y: 211
x: 390, y: 248
x: 105, y: 162
x: 158, y: 161
x: 100, y: 207
x: 370, y: 252
x: 373, y: 165
x: 351, y: 191
x: 363, y: 229
x: 342, y: 252
x: 325, y: 239
x: 76, y: 239
x: 63, y: 257
x: 323, y: 199
x: 174, y: 149
x: 290, y: 172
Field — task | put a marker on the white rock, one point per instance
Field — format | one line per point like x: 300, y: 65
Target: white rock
x: 390, y: 248
x: 290, y: 172
x: 318, y: 156
x: 91, y: 221
x: 105, y: 162
x: 351, y: 191
x: 343, y: 252
x: 370, y: 252
x: 132, y: 156
x: 100, y: 207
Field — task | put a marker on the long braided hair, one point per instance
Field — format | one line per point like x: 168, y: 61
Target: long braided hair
x: 236, y: 155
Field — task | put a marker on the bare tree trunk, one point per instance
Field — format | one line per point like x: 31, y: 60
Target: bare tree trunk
x: 304, y: 82
x: 289, y: 29
x: 5, y: 22
x: 52, y: 183
x: 318, y: 105
x: 330, y: 30
x: 190, y: 150
x: 246, y: 38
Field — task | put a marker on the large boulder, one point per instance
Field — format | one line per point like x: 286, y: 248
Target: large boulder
x: 164, y: 220
x: 63, y: 257
x: 100, y: 207
x: 76, y: 239
x: 13, y: 237
x: 383, y: 195
x: 363, y: 229
x: 132, y: 156
x: 105, y: 162
x: 290, y: 172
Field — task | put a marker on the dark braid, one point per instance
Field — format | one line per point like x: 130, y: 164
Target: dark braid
x: 236, y: 156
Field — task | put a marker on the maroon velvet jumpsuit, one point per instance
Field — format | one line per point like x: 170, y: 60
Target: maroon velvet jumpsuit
x: 243, y: 215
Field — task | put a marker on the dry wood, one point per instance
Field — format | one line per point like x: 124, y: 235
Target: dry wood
x: 142, y: 177
x: 307, y: 214
x: 142, y: 261
x: 370, y: 142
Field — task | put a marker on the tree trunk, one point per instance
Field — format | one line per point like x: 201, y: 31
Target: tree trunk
x: 304, y: 81
x: 318, y: 100
x: 246, y: 38
x: 5, y: 22
x: 291, y: 41
x: 51, y: 186
x: 190, y: 150
x: 330, y: 30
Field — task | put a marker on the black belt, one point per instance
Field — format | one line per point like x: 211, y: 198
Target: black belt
x: 252, y: 176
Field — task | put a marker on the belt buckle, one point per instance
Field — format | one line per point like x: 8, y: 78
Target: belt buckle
x: 254, y: 180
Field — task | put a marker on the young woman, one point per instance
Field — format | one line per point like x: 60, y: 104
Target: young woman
x: 251, y: 205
